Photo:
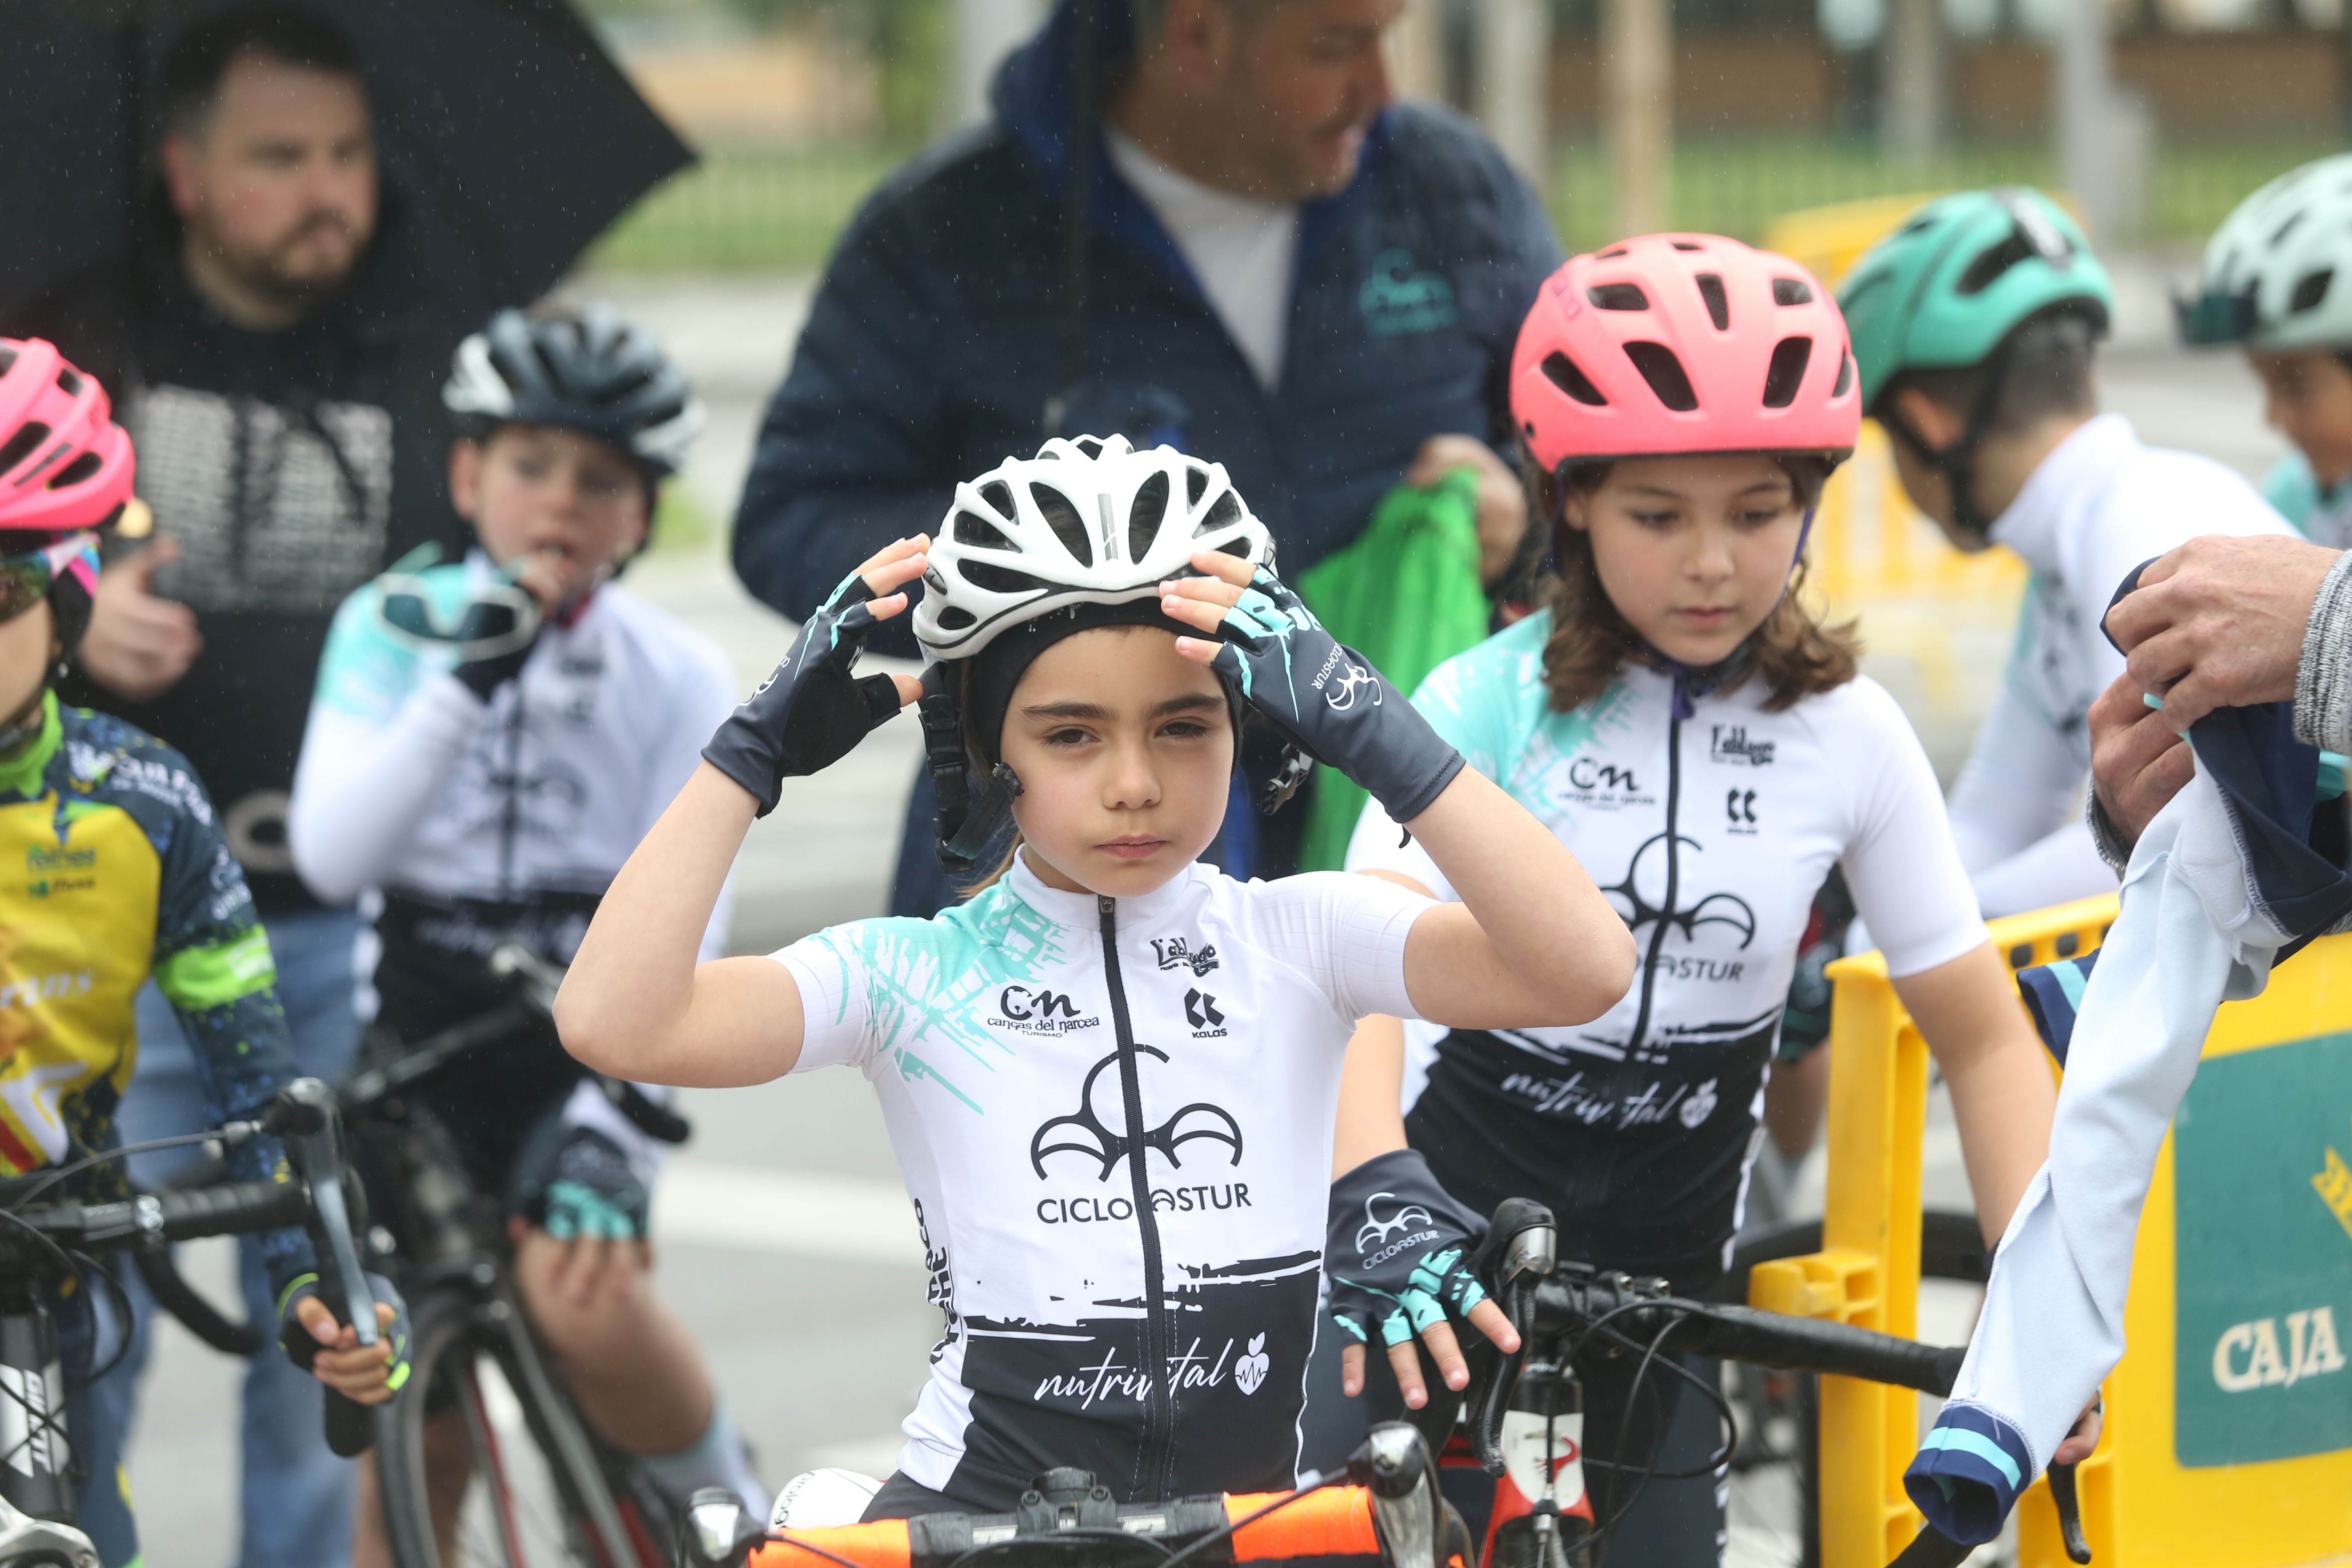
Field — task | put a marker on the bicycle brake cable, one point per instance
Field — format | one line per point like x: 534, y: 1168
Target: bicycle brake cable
x: 237, y: 1131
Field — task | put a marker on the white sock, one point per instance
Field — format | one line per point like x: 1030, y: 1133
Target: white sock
x: 717, y: 1459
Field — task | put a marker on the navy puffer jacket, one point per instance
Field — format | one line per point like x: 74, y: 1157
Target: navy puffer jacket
x: 935, y: 340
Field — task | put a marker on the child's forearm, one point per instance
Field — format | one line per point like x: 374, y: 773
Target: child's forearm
x: 360, y: 789
x: 2002, y: 1095
x: 1550, y: 926
x: 632, y: 983
x: 1372, y: 1084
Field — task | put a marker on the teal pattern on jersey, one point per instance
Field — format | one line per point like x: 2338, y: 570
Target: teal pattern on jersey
x: 1492, y: 705
x: 926, y: 980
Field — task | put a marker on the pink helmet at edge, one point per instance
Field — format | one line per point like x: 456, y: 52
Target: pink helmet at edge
x: 1679, y: 343
x: 65, y: 464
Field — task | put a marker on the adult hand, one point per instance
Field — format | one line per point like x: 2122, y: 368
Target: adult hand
x: 2219, y: 622
x: 139, y: 645
x: 2137, y: 761
x: 1502, y: 500
x: 2084, y: 1437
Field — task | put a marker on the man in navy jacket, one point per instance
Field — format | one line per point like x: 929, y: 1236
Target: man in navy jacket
x: 948, y: 335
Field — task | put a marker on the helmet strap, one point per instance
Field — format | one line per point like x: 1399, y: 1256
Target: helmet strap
x: 965, y: 824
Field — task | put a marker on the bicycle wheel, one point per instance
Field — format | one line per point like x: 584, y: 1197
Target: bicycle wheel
x: 541, y: 1493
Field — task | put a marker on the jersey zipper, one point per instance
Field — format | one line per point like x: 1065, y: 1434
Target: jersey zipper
x: 1159, y: 1414
x: 1674, y: 879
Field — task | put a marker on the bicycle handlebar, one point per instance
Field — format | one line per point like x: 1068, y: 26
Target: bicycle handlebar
x: 1335, y: 1522
x: 304, y: 1118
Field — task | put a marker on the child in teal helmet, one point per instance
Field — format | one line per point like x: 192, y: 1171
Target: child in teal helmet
x: 2278, y: 283
x: 1975, y: 325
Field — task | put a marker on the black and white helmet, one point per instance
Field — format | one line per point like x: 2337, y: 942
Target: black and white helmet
x: 2278, y: 272
x: 1089, y: 520
x: 586, y: 370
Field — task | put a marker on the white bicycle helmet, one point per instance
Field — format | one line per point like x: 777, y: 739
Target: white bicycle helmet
x: 1085, y: 521
x: 584, y: 370
x: 2278, y: 272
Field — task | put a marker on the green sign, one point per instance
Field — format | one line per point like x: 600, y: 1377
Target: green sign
x: 2262, y: 1307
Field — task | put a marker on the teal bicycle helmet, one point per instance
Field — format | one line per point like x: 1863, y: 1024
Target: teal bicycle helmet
x: 1950, y: 290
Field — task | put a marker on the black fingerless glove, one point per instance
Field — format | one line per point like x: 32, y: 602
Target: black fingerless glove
x: 809, y: 714
x: 1329, y: 702
x: 1398, y: 1250
x: 574, y: 1182
x: 303, y: 1350
x: 482, y: 676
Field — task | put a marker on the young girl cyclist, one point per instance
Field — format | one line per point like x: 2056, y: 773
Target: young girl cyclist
x: 1110, y: 1077
x: 1682, y: 723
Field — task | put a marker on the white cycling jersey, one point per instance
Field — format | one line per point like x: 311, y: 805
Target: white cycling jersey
x: 1114, y: 1119
x: 1711, y: 836
x: 2099, y: 505
x: 410, y: 783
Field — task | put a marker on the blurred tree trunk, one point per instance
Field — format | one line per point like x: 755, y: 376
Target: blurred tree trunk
x: 1515, y: 81
x: 1913, y: 110
x: 1638, y: 111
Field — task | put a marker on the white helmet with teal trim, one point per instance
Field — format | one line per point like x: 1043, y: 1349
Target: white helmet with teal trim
x: 2278, y: 272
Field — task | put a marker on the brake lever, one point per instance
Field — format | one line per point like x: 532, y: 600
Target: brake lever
x: 717, y: 1531
x: 1931, y: 1547
x: 304, y: 1117
x: 1521, y: 1248
x: 2070, y: 1512
x: 526, y: 974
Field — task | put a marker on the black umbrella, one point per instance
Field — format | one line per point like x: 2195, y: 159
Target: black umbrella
x: 501, y: 124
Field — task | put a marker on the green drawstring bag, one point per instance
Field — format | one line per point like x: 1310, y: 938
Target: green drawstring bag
x: 1406, y: 595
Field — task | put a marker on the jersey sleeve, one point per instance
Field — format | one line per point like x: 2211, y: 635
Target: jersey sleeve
x: 212, y: 962
x: 836, y: 1013
x: 1900, y: 862
x: 1347, y: 934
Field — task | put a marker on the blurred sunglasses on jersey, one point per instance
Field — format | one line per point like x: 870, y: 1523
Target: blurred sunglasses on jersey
x: 499, y: 619
x: 26, y: 580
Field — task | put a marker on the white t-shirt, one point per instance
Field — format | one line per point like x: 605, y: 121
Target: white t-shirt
x: 1007, y: 1039
x: 1241, y: 250
x: 2099, y: 505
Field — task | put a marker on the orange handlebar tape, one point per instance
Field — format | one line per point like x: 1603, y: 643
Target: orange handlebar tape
x: 882, y: 1544
x: 1333, y: 1522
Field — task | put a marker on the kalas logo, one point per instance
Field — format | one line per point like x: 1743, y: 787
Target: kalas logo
x: 1378, y: 1233
x: 1091, y: 1133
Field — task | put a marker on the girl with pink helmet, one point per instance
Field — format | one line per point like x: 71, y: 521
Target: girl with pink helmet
x: 1680, y: 716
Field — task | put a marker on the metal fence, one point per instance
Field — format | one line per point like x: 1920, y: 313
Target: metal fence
x: 751, y: 208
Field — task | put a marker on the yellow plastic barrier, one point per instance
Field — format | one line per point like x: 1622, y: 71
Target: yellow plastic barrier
x: 1827, y: 241
x: 2228, y: 1422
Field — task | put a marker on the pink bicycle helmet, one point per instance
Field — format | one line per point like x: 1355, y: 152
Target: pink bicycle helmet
x: 65, y: 464
x: 1676, y: 343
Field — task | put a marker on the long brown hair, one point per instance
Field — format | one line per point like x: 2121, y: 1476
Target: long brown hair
x: 1794, y: 654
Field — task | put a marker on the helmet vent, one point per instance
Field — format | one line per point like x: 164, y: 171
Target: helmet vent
x: 1618, y: 297
x: 2286, y: 228
x: 1845, y: 375
x: 1063, y: 520
x: 1001, y: 579
x: 1790, y: 291
x: 1993, y: 264
x: 955, y: 618
x: 998, y: 494
x: 1143, y: 517
x: 2309, y: 290
x: 1611, y: 254
x: 22, y: 444
x: 1664, y: 373
x: 1235, y: 547
x: 1090, y: 446
x: 1685, y: 245
x: 80, y: 468
x: 1561, y: 372
x: 7, y: 359
x: 1196, y: 483
x: 69, y: 381
x: 1789, y: 357
x: 1227, y: 509
x: 1718, y: 305
x: 971, y: 528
